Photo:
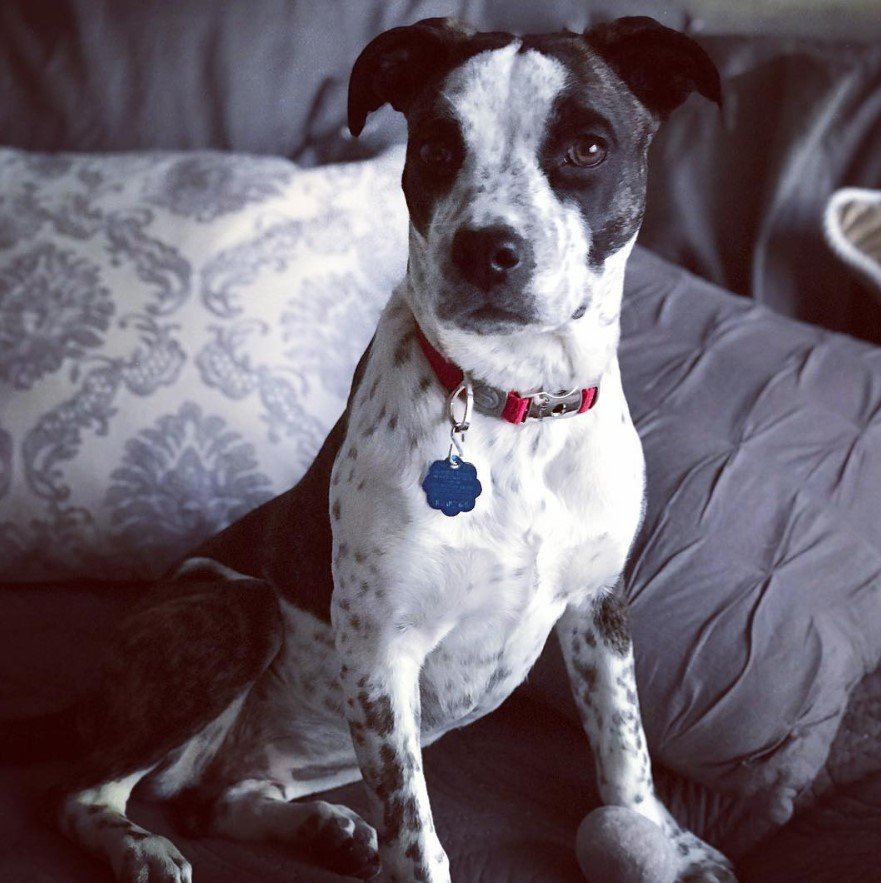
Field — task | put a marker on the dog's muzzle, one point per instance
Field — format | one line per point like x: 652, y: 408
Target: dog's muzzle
x: 490, y: 257
x: 495, y: 263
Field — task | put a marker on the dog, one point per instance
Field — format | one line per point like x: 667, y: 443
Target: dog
x: 483, y: 487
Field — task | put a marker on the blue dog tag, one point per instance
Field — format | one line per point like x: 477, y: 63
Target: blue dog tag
x: 451, y: 485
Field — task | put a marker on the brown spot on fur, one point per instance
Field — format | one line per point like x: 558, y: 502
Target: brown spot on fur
x: 212, y: 644
x: 587, y: 673
x: 391, y: 775
x: 612, y: 623
x: 402, y: 350
x: 416, y: 854
x: 401, y: 813
x: 378, y: 714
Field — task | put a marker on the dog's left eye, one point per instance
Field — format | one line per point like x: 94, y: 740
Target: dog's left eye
x: 586, y: 152
x: 435, y: 153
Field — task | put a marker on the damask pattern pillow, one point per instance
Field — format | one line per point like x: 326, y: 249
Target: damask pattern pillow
x: 177, y: 335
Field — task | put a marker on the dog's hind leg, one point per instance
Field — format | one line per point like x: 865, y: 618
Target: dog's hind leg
x: 95, y: 819
x: 176, y: 674
x: 329, y: 835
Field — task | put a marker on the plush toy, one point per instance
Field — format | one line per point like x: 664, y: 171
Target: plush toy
x: 618, y: 845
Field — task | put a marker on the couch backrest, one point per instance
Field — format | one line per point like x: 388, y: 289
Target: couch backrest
x: 737, y: 198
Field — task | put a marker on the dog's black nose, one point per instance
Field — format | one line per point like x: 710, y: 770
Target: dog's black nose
x: 488, y: 256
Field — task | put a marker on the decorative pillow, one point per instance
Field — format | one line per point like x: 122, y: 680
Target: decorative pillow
x: 177, y: 335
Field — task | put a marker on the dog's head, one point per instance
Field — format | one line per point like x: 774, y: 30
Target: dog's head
x: 526, y: 160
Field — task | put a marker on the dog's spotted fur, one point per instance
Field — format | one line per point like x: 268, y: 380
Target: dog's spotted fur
x: 432, y: 621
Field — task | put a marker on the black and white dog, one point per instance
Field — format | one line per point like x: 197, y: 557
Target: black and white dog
x: 452, y: 519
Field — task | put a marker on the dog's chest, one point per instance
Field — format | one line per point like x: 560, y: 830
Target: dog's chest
x: 540, y: 535
x: 559, y: 505
x: 473, y: 595
x: 478, y: 592
x: 497, y: 634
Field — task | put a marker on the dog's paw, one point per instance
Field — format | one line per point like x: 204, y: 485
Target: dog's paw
x: 700, y: 862
x: 418, y: 858
x: 341, y: 841
x: 712, y: 873
x: 149, y: 858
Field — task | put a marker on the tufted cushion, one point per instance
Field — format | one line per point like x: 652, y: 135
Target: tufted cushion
x: 755, y: 584
x: 177, y: 333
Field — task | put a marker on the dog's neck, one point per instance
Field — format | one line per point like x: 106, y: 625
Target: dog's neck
x: 577, y: 354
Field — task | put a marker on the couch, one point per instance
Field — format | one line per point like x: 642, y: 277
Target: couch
x: 192, y: 256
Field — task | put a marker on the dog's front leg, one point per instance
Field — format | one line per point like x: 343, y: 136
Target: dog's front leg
x: 380, y: 680
x: 595, y: 640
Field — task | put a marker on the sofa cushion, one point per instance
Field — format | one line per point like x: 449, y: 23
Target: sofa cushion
x: 177, y: 333
x: 755, y: 583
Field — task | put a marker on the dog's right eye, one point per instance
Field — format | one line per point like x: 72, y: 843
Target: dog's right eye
x: 435, y: 153
x: 586, y: 152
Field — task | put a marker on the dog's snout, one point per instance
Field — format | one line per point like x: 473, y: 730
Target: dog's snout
x: 488, y: 256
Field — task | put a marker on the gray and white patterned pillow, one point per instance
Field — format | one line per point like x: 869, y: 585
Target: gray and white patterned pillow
x: 177, y: 335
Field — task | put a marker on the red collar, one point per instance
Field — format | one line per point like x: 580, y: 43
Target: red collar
x: 510, y: 406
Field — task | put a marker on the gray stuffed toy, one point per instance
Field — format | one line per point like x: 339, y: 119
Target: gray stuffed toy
x: 618, y: 845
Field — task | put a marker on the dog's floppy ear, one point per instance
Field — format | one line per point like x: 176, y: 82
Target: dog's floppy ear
x: 397, y: 64
x: 661, y: 66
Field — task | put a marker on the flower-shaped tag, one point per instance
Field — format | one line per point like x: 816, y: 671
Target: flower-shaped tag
x: 451, y: 485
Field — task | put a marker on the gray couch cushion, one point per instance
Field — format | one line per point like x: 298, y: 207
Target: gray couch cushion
x: 263, y: 76
x: 757, y: 581
x: 837, y: 841
x: 755, y: 585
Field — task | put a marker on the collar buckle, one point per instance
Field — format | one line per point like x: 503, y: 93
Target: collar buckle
x: 554, y: 405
